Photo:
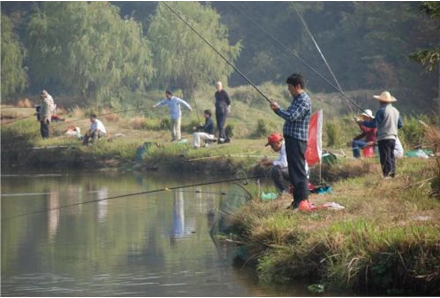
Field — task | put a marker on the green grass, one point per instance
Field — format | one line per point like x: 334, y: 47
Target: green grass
x: 385, y: 241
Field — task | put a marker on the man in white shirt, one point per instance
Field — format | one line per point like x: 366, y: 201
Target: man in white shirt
x: 96, y: 131
x: 279, y: 171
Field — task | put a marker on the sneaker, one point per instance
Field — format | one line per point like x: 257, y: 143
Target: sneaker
x: 305, y: 206
x: 206, y: 145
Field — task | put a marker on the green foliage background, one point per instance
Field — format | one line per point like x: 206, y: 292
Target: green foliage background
x: 109, y: 53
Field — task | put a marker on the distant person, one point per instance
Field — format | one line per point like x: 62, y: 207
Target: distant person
x: 387, y: 121
x: 296, y: 132
x: 206, y: 131
x: 44, y: 115
x: 173, y: 103
x: 96, y: 131
x: 53, y: 107
x: 369, y: 134
x: 222, y: 108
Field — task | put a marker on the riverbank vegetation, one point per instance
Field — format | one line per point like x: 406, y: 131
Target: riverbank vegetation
x: 386, y: 240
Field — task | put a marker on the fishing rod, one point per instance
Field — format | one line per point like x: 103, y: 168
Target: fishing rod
x: 135, y: 194
x: 220, y: 54
x: 297, y: 57
x: 322, y: 54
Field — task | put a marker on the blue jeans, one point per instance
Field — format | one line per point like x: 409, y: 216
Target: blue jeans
x: 357, y: 145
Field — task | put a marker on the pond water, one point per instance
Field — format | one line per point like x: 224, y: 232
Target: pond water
x: 144, y: 245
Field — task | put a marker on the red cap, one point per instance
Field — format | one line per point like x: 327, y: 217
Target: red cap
x: 275, y: 137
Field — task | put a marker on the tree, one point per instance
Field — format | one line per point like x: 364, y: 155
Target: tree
x: 429, y: 58
x: 88, y: 49
x: 181, y: 57
x: 12, y: 70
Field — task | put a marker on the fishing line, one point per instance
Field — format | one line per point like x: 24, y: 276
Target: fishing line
x: 223, y: 57
x: 296, y: 56
x: 320, y: 52
x: 134, y: 194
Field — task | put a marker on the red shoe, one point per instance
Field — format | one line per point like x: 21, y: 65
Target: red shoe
x: 305, y: 206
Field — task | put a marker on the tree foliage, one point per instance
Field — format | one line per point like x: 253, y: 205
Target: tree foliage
x: 87, y: 48
x: 429, y: 58
x: 182, y: 59
x: 12, y: 70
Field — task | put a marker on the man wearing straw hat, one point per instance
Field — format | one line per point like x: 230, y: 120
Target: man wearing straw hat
x: 387, y: 121
x: 369, y: 134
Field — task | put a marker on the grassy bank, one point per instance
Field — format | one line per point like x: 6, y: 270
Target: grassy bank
x: 386, y: 240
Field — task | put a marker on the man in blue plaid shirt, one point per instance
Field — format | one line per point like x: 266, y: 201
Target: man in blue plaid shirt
x: 296, y: 128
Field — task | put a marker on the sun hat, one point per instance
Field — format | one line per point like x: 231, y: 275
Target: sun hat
x: 385, y: 97
x: 274, y: 137
x: 368, y: 113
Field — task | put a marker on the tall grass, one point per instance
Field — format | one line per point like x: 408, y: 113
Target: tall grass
x: 386, y: 239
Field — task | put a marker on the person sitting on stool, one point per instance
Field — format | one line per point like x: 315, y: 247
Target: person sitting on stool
x: 206, y: 132
x: 96, y: 131
x: 369, y: 133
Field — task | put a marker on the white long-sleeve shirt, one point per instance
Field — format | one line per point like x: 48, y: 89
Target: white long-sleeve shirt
x: 97, y: 125
x: 282, y: 158
x: 174, y: 106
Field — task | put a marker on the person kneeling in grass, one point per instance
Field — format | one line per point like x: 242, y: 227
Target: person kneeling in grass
x: 96, y: 131
x: 206, y: 132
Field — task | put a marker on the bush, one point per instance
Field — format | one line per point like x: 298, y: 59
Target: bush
x: 333, y: 135
x: 229, y: 130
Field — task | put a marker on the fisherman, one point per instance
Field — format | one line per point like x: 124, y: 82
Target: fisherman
x: 173, y: 103
x: 295, y: 130
x: 44, y: 115
x: 96, y: 131
x: 206, y: 132
x: 222, y: 109
x: 369, y: 134
x: 387, y: 121
x: 279, y: 171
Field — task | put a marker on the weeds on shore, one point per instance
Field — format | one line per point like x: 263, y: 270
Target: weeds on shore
x: 386, y: 240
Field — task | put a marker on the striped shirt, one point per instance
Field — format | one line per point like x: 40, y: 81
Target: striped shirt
x: 297, y: 117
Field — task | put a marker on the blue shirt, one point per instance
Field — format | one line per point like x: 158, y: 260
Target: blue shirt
x: 174, y: 106
x: 297, y: 117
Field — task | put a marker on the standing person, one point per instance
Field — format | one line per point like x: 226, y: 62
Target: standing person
x: 96, y: 131
x: 296, y: 131
x: 44, y: 115
x: 369, y: 134
x: 207, y: 131
x: 173, y: 103
x: 222, y: 108
x: 387, y: 122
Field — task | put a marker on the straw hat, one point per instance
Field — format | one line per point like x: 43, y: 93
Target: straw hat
x: 368, y: 113
x: 385, y: 97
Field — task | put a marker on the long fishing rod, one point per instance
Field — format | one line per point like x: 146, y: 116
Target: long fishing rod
x: 134, y: 194
x: 322, y: 54
x: 296, y: 56
x: 220, y: 54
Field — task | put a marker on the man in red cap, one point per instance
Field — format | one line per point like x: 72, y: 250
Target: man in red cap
x: 279, y: 171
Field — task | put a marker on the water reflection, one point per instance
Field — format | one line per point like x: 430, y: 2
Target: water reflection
x: 53, y: 217
x: 154, y: 245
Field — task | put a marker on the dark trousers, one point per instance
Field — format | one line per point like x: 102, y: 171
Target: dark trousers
x: 220, y: 115
x: 387, y: 159
x: 280, y: 177
x: 44, y: 129
x: 295, y: 151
